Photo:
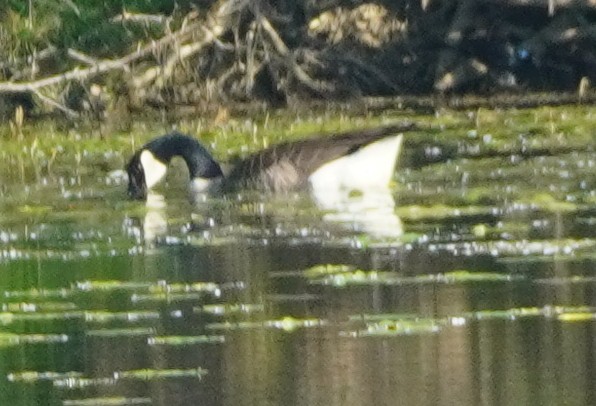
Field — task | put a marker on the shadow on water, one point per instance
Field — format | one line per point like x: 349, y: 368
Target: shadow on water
x: 485, y: 295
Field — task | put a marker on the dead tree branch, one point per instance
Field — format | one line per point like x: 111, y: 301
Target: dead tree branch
x: 284, y: 52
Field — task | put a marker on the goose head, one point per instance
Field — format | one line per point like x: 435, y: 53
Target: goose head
x: 148, y: 165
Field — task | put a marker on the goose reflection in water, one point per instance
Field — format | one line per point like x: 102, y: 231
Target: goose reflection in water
x: 297, y: 216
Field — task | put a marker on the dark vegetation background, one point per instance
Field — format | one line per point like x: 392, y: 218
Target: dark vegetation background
x: 74, y: 57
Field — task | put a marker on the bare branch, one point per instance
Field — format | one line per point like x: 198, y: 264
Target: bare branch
x: 284, y: 51
x: 69, y: 112
x: 139, y: 18
x: 215, y: 25
x: 98, y: 67
x: 81, y: 57
x: 278, y: 43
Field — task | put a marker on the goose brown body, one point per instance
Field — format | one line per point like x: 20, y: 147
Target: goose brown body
x: 288, y: 166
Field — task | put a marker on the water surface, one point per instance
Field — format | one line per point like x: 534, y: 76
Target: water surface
x: 485, y: 294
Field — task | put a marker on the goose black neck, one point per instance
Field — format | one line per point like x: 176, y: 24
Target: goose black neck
x: 199, y: 161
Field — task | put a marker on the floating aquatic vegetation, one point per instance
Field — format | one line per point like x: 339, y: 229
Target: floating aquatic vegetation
x: 508, y: 314
x: 551, y: 312
x: 107, y: 401
x: 81, y: 383
x: 37, y: 307
x: 77, y: 380
x: 358, y: 277
x: 153, y: 288
x: 411, y: 324
x: 288, y: 324
x: 159, y: 291
x: 501, y: 230
x: 121, y: 332
x: 327, y: 269
x: 108, y: 317
x: 155, y: 374
x: 13, y: 317
x: 210, y: 287
x: 564, y: 280
x: 110, y: 285
x: 439, y: 211
x: 34, y: 376
x: 547, y: 202
x: 159, y: 286
x: 361, y: 277
x: 397, y: 328
x: 383, y: 316
x: 292, y: 297
x: 211, y: 240
x: 35, y: 210
x: 92, y: 316
x: 175, y: 341
x: 461, y: 276
x: 577, y: 316
x: 166, y: 297
x: 553, y: 248
x: 480, y: 230
x: 38, y: 294
x: 566, y: 256
x: 9, y: 339
x: 228, y: 309
x: 291, y: 324
x: 23, y: 254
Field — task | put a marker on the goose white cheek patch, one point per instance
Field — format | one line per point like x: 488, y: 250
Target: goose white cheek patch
x: 154, y: 169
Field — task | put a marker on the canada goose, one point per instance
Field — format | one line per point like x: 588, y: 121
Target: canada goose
x: 351, y: 160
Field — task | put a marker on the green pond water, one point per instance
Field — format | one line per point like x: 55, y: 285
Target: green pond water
x: 477, y: 288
